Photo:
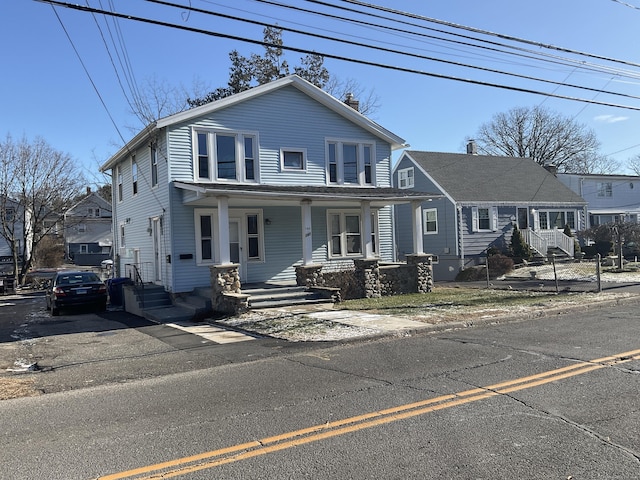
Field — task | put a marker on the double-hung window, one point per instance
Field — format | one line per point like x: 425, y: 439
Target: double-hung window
x: 134, y: 175
x: 154, y: 165
x: 430, y: 217
x: 345, y: 234
x: 204, y: 222
x: 605, y: 189
x: 484, y: 219
x: 119, y: 180
x: 405, y: 178
x: 351, y: 163
x: 227, y: 156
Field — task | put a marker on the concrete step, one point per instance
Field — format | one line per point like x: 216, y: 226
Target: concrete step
x: 281, y: 296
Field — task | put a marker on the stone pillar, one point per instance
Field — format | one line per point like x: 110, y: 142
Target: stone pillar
x: 226, y: 294
x: 422, y: 268
x: 368, y: 278
x: 309, y: 275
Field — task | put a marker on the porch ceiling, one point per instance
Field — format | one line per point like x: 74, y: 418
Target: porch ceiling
x: 280, y: 195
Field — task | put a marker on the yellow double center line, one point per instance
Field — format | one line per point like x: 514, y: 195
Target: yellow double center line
x: 243, y: 451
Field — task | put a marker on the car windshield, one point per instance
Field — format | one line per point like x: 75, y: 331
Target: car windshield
x: 75, y: 278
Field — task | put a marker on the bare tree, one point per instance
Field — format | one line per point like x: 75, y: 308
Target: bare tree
x: 634, y: 164
x: 546, y: 137
x: 37, y: 185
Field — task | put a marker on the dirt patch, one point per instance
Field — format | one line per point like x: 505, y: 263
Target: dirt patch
x: 17, y: 387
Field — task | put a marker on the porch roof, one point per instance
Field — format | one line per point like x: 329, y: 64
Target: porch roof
x: 248, y: 194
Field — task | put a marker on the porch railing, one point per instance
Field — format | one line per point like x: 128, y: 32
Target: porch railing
x: 542, y: 240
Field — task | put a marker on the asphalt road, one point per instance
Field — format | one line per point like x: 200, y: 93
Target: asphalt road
x: 553, y: 397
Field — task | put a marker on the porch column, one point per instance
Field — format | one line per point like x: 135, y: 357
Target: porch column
x: 367, y: 241
x: 223, y: 230
x: 307, y: 234
x: 418, y: 237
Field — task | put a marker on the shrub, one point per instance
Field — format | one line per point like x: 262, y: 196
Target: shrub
x: 519, y: 248
x: 499, y: 265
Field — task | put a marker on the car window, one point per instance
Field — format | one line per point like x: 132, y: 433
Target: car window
x: 76, y: 278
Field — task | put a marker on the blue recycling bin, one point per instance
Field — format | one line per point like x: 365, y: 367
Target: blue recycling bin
x: 114, y: 285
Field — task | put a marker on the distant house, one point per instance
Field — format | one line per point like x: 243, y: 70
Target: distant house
x: 88, y: 233
x: 12, y: 219
x: 483, y: 198
x: 610, y: 198
x: 252, y: 189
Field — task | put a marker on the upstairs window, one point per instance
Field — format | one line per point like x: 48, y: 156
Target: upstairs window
x: 350, y: 163
x: 293, y: 158
x: 605, y: 189
x: 405, y: 178
x: 119, y: 180
x: 134, y: 175
x: 154, y: 165
x: 230, y: 156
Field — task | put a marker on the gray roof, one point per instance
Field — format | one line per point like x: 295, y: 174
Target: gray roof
x: 483, y: 179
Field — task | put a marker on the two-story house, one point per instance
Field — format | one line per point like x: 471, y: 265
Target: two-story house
x: 610, y: 198
x: 88, y: 234
x: 483, y: 197
x: 279, y: 176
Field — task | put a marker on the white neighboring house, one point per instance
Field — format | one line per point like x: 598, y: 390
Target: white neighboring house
x: 88, y: 233
x: 610, y: 198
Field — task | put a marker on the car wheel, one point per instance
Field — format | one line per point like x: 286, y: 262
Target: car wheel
x: 102, y: 307
x: 54, y: 311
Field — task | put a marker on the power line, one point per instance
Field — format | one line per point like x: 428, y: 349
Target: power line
x: 388, y: 50
x: 486, y: 32
x: 335, y: 57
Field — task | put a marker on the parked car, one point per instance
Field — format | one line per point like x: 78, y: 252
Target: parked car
x: 76, y: 289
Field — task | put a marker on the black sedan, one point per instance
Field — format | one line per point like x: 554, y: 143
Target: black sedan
x: 76, y: 289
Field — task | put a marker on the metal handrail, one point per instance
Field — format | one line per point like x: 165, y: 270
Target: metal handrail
x: 137, y: 280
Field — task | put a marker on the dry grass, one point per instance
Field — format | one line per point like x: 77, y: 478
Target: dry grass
x: 11, y: 387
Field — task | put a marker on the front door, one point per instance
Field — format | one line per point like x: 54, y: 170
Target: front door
x: 523, y: 218
x: 157, y: 264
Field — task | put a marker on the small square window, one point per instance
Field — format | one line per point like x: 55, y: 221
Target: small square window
x: 293, y: 159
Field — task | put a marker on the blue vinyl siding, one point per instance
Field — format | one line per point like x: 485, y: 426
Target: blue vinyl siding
x: 286, y: 118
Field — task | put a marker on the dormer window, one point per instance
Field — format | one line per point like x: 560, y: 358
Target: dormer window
x: 225, y: 156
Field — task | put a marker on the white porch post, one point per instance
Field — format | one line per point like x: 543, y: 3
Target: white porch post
x: 223, y: 230
x: 307, y: 236
x: 365, y: 208
x: 418, y: 237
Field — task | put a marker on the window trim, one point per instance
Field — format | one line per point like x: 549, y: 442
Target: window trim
x: 425, y: 212
x: 604, y: 190
x: 361, y: 165
x: 546, y: 212
x: 211, y: 155
x: 134, y: 176
x: 375, y: 233
x: 409, y: 179
x: 213, y: 214
x: 303, y: 166
x: 153, y: 154
x: 493, y: 219
x: 119, y: 183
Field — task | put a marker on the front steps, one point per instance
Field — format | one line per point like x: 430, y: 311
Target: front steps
x: 154, y: 303
x: 270, y: 296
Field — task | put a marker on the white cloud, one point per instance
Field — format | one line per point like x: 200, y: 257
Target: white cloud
x: 610, y: 118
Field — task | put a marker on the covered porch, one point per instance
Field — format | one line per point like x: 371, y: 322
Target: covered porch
x: 300, y: 234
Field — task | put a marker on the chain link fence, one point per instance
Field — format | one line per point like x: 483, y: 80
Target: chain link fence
x: 565, y: 275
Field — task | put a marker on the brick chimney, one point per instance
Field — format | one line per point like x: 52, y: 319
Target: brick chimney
x: 352, y: 102
x: 472, y: 148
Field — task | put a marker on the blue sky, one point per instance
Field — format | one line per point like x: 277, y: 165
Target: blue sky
x: 46, y: 92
